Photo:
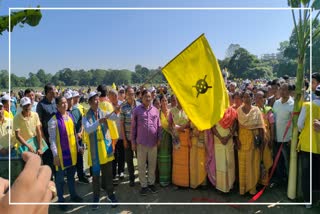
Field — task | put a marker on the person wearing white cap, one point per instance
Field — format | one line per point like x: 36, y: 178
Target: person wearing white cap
x: 99, y: 148
x: 107, y: 107
x: 153, y: 92
x: 121, y: 94
x: 5, y: 99
x: 232, y: 87
x: 76, y: 103
x: 27, y: 125
x: 77, y: 118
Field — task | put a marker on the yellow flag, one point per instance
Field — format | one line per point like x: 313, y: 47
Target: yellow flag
x: 195, y: 78
x: 114, y: 86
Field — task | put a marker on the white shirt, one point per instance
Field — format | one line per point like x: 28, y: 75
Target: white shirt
x: 52, y: 125
x: 282, y: 114
x: 89, y: 128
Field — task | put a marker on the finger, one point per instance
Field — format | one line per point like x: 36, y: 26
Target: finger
x: 4, y: 185
x: 42, y: 209
x: 32, y: 165
x: 44, y: 175
x: 51, y: 192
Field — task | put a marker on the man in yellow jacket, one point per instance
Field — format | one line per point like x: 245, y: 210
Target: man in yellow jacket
x: 305, y: 141
x: 99, y: 148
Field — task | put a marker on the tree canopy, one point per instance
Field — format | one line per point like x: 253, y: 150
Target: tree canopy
x: 30, y: 17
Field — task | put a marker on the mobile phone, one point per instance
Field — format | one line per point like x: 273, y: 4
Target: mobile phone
x: 17, y: 165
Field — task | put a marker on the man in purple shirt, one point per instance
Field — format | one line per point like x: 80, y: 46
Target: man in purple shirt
x: 145, y: 136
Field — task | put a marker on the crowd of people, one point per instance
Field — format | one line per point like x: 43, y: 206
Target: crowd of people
x: 151, y: 125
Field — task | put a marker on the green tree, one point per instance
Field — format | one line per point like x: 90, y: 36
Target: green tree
x: 259, y: 71
x: 122, y: 76
x: 31, y: 17
x: 33, y: 81
x: 43, y: 77
x: 17, y: 81
x: 135, y: 78
x: 98, y: 75
x: 224, y: 63
x: 84, y: 77
x: 4, y: 79
x: 231, y: 50
x: 301, y: 20
x: 246, y: 65
x: 67, y: 76
x: 290, y: 49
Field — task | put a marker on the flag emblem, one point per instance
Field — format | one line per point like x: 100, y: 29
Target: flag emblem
x: 202, y: 86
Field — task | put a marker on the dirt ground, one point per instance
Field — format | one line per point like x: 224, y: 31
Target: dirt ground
x: 170, y: 194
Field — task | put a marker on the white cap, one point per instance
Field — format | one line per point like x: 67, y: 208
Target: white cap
x: 25, y: 101
x: 317, y: 91
x: 68, y: 95
x: 75, y: 94
x: 152, y: 89
x: 121, y: 89
x: 6, y: 97
x: 234, y: 84
x: 92, y: 94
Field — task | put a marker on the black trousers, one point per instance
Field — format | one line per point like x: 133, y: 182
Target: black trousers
x: 79, y: 165
x: 129, y: 160
x: 118, y: 161
x: 282, y: 170
x: 305, y: 161
x: 106, y: 181
x: 47, y: 159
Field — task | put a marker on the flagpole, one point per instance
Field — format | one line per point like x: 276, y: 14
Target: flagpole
x: 153, y: 76
x: 184, y: 49
x: 160, y: 70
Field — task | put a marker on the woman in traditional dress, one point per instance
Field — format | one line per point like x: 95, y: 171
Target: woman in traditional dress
x: 165, y: 148
x: 198, y: 173
x: 268, y: 118
x: 224, y: 150
x: 179, y: 124
x: 251, y: 130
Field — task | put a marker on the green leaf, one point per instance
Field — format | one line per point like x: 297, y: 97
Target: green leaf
x: 34, y: 19
x: 305, y: 2
x: 316, y: 5
x: 294, y: 3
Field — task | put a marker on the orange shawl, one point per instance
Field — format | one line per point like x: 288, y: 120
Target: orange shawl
x: 230, y: 115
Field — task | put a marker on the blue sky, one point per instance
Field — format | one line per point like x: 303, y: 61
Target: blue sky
x: 121, y: 39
